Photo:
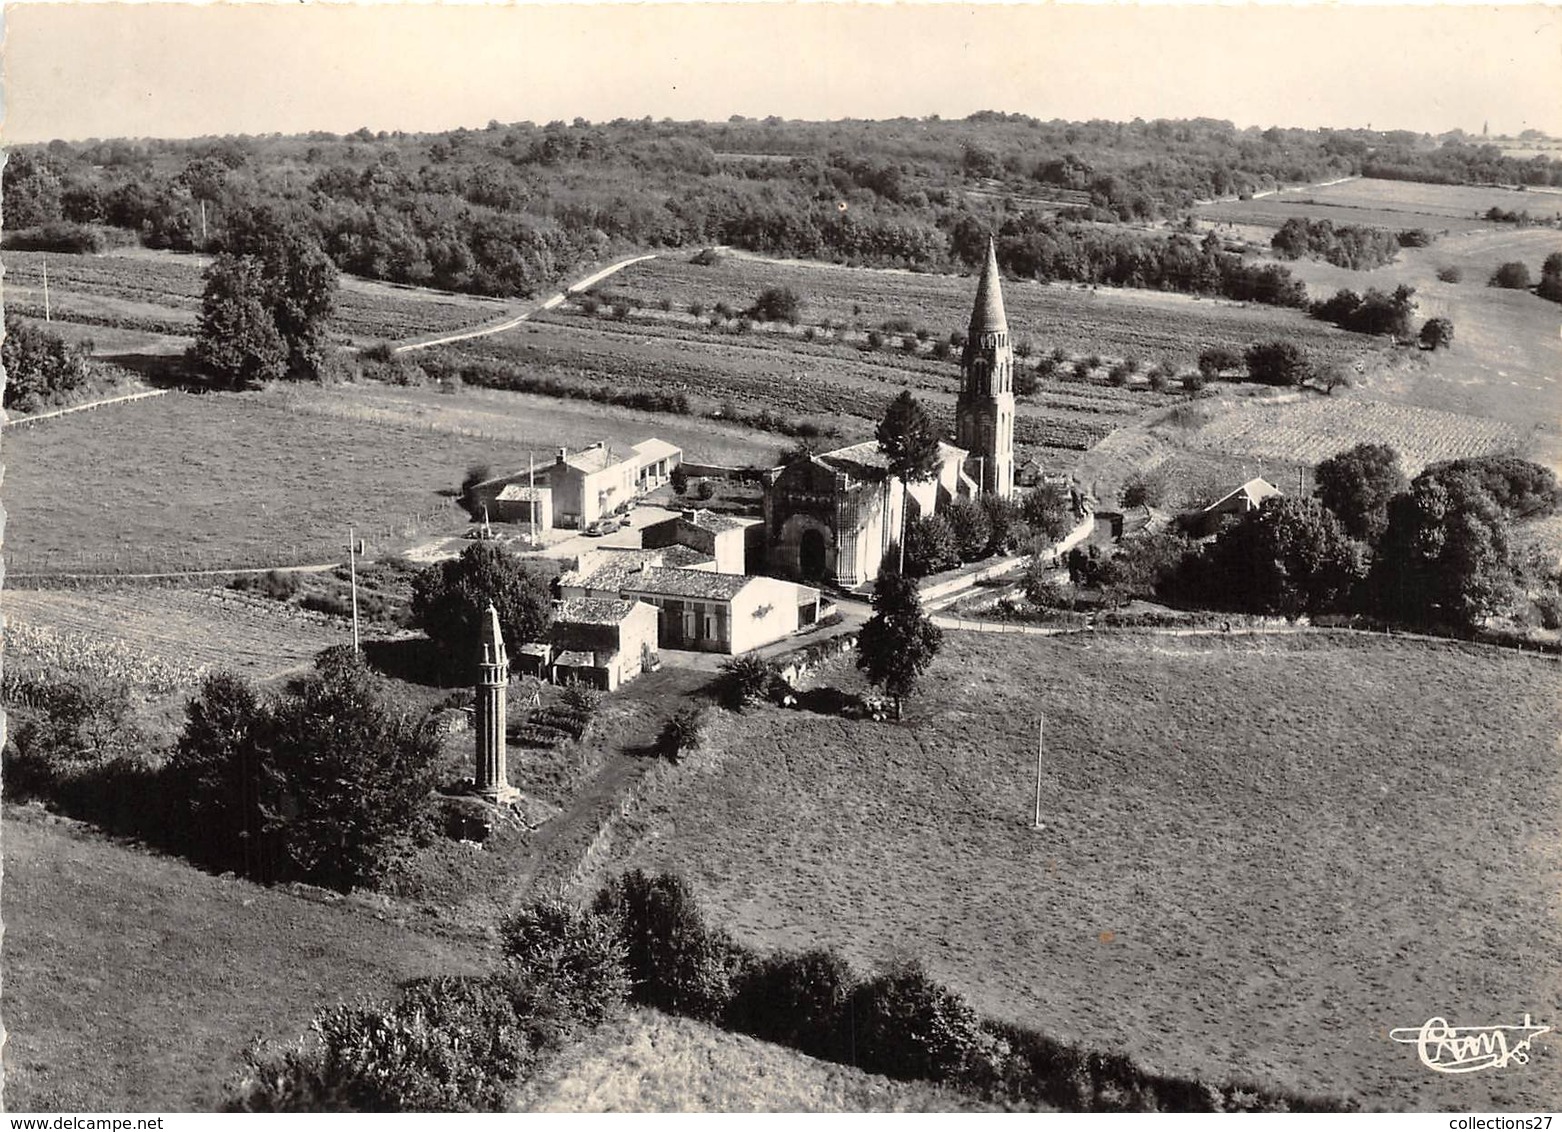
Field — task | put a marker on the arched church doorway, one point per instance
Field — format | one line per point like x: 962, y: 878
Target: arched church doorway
x: 810, y: 555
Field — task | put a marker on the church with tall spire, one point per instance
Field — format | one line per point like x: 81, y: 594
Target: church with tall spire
x: 832, y: 517
x: 984, y: 412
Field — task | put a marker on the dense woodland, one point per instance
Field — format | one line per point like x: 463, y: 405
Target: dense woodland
x: 510, y: 209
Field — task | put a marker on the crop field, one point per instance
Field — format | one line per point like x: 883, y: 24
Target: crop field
x: 161, y: 294
x: 1316, y: 428
x: 133, y: 982
x: 1259, y: 855
x: 838, y: 392
x: 175, y: 635
x: 1506, y: 360
x: 652, y: 1062
x: 203, y: 482
x: 1115, y: 322
x: 1386, y: 204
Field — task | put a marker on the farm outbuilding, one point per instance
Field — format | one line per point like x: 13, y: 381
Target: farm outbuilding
x: 601, y: 642
x: 1249, y: 497
x: 722, y: 538
x: 519, y: 503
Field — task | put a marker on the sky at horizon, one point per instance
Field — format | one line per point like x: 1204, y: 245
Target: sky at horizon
x: 179, y: 70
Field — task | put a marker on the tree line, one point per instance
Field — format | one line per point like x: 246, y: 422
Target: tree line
x: 511, y: 209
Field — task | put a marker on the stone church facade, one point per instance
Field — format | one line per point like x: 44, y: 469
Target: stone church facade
x: 832, y: 517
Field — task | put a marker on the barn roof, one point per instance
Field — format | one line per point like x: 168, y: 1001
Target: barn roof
x: 1256, y: 490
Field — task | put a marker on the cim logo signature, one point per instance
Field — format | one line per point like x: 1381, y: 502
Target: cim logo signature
x: 1468, y: 1049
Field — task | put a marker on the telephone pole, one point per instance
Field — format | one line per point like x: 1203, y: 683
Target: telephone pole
x: 1040, y: 734
x: 355, y: 547
x: 46, y: 315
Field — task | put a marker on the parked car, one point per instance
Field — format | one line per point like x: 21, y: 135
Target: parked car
x: 604, y: 526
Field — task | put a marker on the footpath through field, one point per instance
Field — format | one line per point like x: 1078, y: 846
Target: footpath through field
x: 515, y: 320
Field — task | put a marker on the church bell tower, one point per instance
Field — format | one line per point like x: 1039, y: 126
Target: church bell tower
x: 984, y: 413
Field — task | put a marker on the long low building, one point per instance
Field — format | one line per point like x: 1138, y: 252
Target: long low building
x: 704, y: 611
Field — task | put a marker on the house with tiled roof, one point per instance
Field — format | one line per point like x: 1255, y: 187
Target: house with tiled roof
x: 734, y: 545
x: 704, y: 611
x: 581, y: 486
x: 601, y: 571
x: 523, y: 503
x: 600, y: 642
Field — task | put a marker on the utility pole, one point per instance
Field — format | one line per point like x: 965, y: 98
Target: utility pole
x: 531, y: 499
x: 1040, y: 731
x: 203, y: 222
x: 354, y: 549
x: 46, y: 315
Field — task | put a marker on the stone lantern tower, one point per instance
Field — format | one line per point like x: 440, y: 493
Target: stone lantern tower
x: 493, y: 679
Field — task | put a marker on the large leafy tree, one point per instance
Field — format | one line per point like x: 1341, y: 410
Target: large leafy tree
x: 1445, y: 556
x: 238, y: 340
x: 327, y: 782
x: 1048, y: 511
x: 909, y: 439
x: 1290, y: 557
x: 899, y: 641
x: 1357, y: 485
x: 1522, y: 488
x: 351, y: 774
x: 1277, y: 362
x: 449, y: 599
x: 290, y: 277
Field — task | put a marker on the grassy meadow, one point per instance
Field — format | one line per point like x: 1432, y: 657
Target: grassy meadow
x: 137, y: 291
x: 1259, y: 855
x: 276, y: 477
x: 134, y: 982
x: 1386, y: 204
x: 651, y: 1062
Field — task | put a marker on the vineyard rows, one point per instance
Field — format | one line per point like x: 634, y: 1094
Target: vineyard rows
x: 34, y: 651
x: 753, y: 374
x: 1312, y: 430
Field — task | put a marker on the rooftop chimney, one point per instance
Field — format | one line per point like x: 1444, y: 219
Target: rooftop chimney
x: 563, y: 455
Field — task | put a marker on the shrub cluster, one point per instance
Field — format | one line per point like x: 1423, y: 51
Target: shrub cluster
x: 899, y: 1022
x: 1372, y: 313
x: 451, y: 1044
x: 1344, y: 245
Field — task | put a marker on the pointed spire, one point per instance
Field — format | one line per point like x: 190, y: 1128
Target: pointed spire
x: 988, y: 314
x: 493, y: 639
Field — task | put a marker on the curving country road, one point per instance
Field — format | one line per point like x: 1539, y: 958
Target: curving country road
x: 515, y: 320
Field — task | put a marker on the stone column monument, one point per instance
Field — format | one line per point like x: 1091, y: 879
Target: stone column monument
x: 493, y: 678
